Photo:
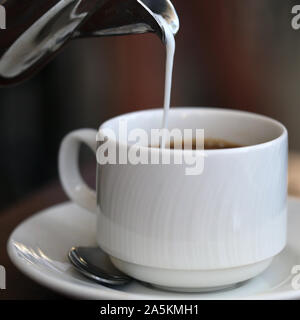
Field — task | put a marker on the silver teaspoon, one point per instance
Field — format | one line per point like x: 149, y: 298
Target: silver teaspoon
x: 94, y: 264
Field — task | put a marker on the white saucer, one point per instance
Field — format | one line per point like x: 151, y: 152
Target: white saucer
x: 39, y: 246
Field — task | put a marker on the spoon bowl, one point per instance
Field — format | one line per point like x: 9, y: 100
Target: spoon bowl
x: 94, y: 264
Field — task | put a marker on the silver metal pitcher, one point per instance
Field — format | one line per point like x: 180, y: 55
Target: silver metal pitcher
x: 37, y: 30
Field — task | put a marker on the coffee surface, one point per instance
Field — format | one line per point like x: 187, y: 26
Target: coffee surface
x: 209, y: 144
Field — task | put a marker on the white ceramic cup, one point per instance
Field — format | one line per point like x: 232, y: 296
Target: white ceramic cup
x: 184, y: 232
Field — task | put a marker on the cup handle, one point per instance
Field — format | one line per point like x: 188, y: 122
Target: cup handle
x: 69, y: 172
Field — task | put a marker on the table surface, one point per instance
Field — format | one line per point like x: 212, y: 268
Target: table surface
x: 21, y: 287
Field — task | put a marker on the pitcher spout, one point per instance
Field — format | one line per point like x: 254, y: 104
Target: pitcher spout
x: 131, y: 17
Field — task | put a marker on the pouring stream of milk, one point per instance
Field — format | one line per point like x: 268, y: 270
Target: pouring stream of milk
x: 170, y: 52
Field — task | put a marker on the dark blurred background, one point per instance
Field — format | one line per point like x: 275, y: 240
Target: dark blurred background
x: 237, y: 54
